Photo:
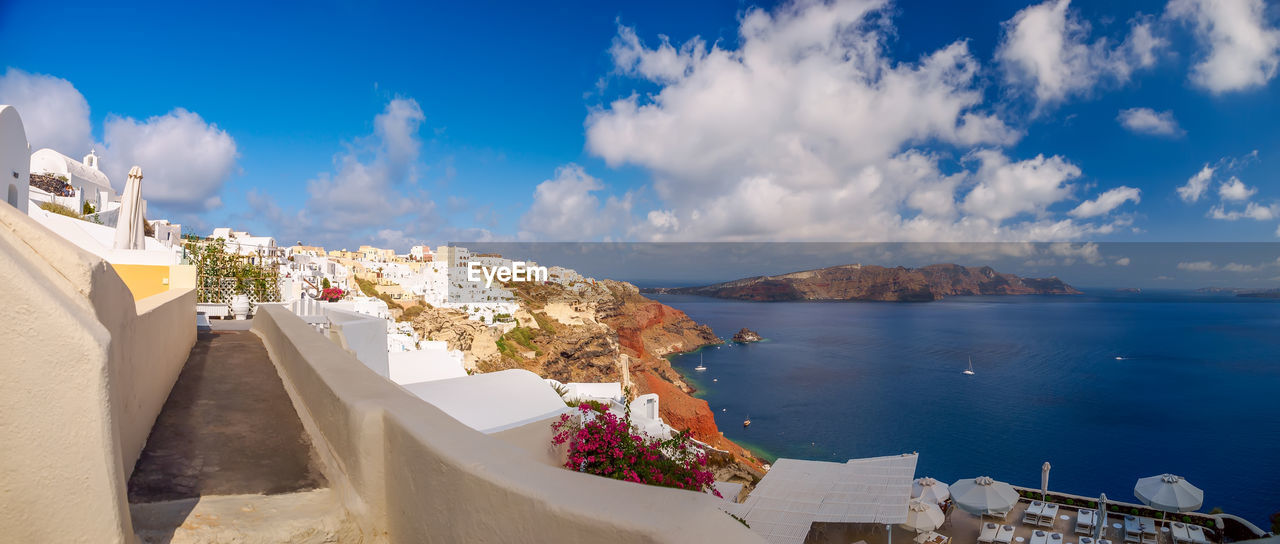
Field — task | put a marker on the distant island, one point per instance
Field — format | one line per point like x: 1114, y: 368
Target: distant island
x: 1240, y: 292
x: 877, y: 283
x: 747, y: 335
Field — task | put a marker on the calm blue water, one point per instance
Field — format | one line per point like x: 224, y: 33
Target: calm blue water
x: 1198, y: 393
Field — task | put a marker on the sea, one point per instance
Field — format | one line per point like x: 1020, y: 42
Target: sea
x: 1108, y: 387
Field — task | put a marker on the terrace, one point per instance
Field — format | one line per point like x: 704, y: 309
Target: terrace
x: 964, y: 528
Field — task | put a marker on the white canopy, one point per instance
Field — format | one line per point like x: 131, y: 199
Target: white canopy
x: 796, y: 493
x: 930, y: 490
x: 983, y: 496
x: 1169, y: 493
x: 923, y: 516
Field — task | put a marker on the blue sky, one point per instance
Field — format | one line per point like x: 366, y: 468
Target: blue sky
x: 348, y: 123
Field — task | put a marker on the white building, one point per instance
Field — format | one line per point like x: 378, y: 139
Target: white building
x: 243, y: 243
x: 15, y: 158
x: 421, y: 253
x: 89, y: 183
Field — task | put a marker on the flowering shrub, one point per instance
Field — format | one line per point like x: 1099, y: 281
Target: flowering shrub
x: 602, y: 444
x: 332, y: 294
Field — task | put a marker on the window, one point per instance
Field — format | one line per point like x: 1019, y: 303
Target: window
x: 13, y: 195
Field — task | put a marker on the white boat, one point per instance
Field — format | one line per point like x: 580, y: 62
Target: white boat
x: 969, y: 371
x: 700, y: 368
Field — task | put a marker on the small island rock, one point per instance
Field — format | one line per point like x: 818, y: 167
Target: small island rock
x: 746, y: 335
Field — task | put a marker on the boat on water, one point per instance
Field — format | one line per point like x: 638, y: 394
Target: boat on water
x: 746, y: 422
x: 969, y: 371
x: 700, y: 368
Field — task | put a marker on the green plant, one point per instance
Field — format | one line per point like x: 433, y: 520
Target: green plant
x: 601, y: 443
x: 740, y: 520
x: 59, y: 209
x: 1071, y: 502
x: 1133, y: 511
x: 544, y: 322
x: 218, y: 270
x: 324, y: 283
x: 88, y: 208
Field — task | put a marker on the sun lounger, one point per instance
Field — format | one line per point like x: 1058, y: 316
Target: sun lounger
x: 1132, y: 530
x: 1049, y: 515
x: 1180, y: 533
x: 1148, y: 526
x: 1085, y: 520
x: 988, y: 534
x: 1197, y: 534
x: 1055, y: 538
x: 1004, y: 535
x: 1032, y: 515
x: 1039, y: 537
x: 1086, y: 540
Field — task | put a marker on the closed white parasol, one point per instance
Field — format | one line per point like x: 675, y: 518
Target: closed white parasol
x: 129, y: 228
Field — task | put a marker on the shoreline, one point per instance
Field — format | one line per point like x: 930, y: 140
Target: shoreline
x: 756, y: 451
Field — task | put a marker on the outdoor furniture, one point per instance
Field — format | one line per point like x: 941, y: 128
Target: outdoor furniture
x: 1055, y: 538
x: 988, y: 534
x: 1085, y: 521
x: 1197, y: 534
x: 1132, y: 530
x: 931, y: 537
x: 1049, y: 515
x: 1148, y: 527
x: 1180, y: 533
x: 1004, y: 535
x: 1032, y: 515
x: 1039, y: 537
x: 1086, y: 540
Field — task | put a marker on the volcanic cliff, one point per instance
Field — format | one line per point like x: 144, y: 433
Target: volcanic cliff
x: 878, y: 283
x: 596, y: 331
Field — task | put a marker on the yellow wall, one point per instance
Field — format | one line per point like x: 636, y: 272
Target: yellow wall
x: 144, y: 280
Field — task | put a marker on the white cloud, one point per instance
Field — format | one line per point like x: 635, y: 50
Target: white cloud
x: 1234, y: 189
x: 54, y: 114
x: 664, y: 64
x: 1149, y: 121
x: 565, y: 208
x: 1252, y: 210
x: 1123, y: 261
x: 1196, y: 185
x: 1197, y: 266
x: 185, y: 161
x: 1046, y: 47
x: 810, y: 118
x: 372, y: 192
x: 1243, y: 47
x: 1107, y: 201
x: 1237, y: 267
x: 1008, y: 189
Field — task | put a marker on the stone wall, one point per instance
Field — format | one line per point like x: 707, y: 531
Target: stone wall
x: 414, y: 474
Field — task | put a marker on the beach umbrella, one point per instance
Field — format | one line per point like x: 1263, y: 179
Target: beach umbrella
x: 129, y: 229
x: 1044, y: 480
x: 1100, y: 524
x: 983, y: 496
x: 1169, y: 493
x: 923, y: 516
x: 929, y: 489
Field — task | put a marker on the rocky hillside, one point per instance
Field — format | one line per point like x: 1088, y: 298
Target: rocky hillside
x: 594, y: 332
x: 857, y: 282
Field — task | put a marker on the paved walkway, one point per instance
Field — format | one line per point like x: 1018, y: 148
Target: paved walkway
x: 228, y: 428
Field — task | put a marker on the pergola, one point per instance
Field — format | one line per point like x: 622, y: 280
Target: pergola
x: 796, y: 493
